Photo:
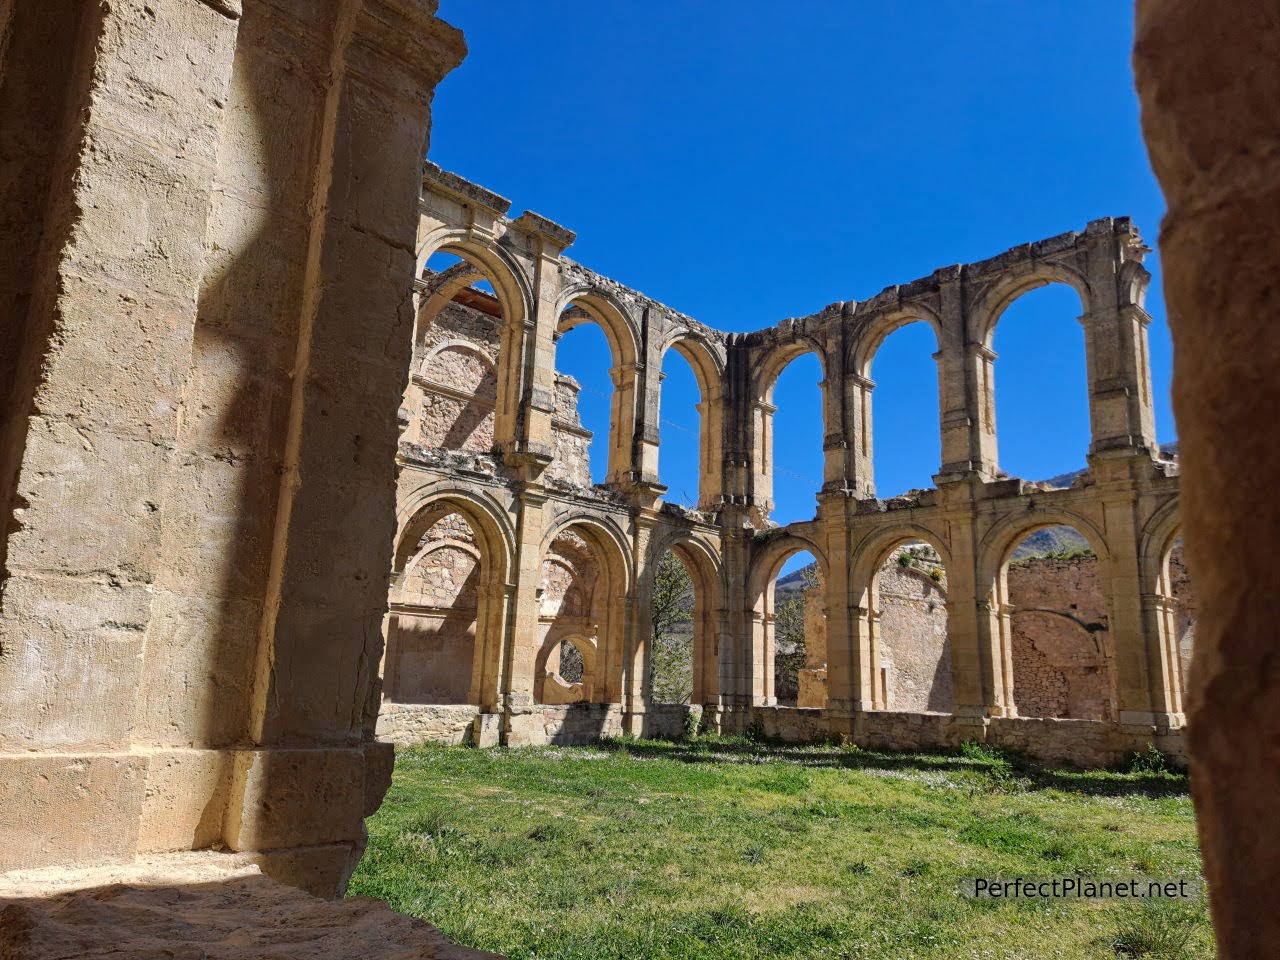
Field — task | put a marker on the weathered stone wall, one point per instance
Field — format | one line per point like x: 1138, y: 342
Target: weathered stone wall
x: 570, y: 574
x: 1061, y: 642
x: 915, y: 656
x: 455, y: 390
x: 1186, y: 610
x: 571, y: 443
x: 812, y: 678
x: 409, y: 724
x: 457, y: 364
x: 434, y: 619
x: 199, y: 431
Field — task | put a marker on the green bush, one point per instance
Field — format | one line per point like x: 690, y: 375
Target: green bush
x: 1150, y: 760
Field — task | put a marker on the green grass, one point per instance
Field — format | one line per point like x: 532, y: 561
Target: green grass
x: 720, y: 848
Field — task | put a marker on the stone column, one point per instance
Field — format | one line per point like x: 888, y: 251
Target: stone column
x: 959, y: 406
x: 980, y: 406
x: 1145, y: 677
x: 99, y: 327
x: 1209, y: 78
x: 977, y: 625
x: 858, y: 451
x: 1120, y: 407
x: 205, y: 341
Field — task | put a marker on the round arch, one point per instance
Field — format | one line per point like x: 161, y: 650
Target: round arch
x: 769, y: 366
x: 985, y: 314
x: 878, y: 329
x: 766, y: 564
x: 997, y: 546
x: 872, y: 552
x: 603, y: 533
x: 514, y: 294
x: 995, y: 553
x: 932, y: 668
x: 708, y: 372
x: 493, y: 552
x: 1174, y: 620
x: 758, y: 672
x: 1156, y: 543
x: 611, y: 595
x: 601, y: 308
x: 702, y: 560
x: 584, y: 303
x: 490, y: 522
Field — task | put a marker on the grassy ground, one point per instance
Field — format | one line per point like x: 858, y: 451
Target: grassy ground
x: 730, y: 849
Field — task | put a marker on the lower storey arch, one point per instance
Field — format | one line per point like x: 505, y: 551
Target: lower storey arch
x: 908, y: 623
x: 1056, y: 627
x: 435, y: 615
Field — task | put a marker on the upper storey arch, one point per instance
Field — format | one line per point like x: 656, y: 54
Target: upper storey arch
x: 488, y: 261
x: 993, y: 299
x: 582, y: 302
x: 777, y: 356
x: 877, y: 328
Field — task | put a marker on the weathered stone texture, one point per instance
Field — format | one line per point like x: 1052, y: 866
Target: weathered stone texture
x: 1209, y: 81
x: 1061, y: 644
x: 215, y: 209
x: 915, y: 657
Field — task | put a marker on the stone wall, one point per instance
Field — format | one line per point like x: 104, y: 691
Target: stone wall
x: 1060, y: 638
x: 208, y: 271
x: 915, y: 657
x: 455, y: 390
x: 567, y: 612
x: 433, y: 624
x: 409, y: 724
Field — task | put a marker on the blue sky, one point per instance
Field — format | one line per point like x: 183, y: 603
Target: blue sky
x: 744, y: 162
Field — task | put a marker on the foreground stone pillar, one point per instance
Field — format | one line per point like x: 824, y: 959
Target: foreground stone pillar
x: 1209, y: 78
x: 200, y: 428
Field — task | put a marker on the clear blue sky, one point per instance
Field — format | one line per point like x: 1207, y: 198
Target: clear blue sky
x: 744, y: 162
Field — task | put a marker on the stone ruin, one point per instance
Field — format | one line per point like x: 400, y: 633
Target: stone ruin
x: 214, y: 303
x: 1071, y: 660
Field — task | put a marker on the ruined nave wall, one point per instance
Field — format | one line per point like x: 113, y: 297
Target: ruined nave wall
x: 452, y: 397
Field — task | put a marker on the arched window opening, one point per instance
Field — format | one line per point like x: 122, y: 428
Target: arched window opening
x: 907, y: 445
x: 673, y: 625
x: 1057, y: 628
x: 792, y: 427
x: 434, y: 614
x: 680, y: 466
x: 584, y: 390
x: 1041, y: 387
x: 450, y: 403
x: 910, y: 647
x: 796, y: 636
x: 580, y: 600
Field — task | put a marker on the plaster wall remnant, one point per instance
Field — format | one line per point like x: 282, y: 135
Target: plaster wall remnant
x: 959, y: 652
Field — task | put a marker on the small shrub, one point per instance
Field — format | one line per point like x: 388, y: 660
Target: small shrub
x: 906, y: 560
x: 692, y: 721
x: 935, y: 574
x: 1150, y: 760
